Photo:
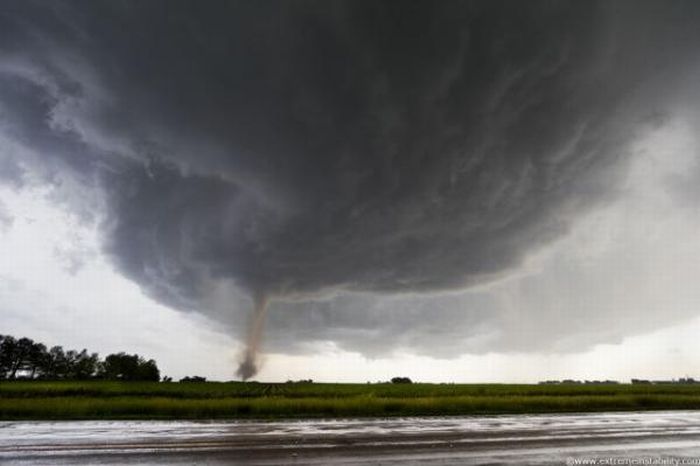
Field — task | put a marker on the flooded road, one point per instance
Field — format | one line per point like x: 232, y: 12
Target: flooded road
x: 516, y: 439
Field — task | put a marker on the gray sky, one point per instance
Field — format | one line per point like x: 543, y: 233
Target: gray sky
x: 464, y: 191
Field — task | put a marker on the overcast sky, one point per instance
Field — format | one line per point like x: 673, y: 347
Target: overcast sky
x: 450, y: 191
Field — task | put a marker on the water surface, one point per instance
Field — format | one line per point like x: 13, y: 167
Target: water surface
x: 511, y: 439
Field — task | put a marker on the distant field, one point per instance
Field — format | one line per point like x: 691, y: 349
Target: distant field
x: 152, y: 400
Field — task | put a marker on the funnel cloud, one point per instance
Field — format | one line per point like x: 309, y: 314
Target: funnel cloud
x: 249, y: 364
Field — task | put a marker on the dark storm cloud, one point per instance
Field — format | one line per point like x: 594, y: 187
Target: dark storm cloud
x: 300, y: 147
x: 396, y: 147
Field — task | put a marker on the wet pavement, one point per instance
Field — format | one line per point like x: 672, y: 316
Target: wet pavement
x: 511, y: 439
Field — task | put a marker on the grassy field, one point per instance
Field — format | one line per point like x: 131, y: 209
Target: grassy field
x: 133, y: 400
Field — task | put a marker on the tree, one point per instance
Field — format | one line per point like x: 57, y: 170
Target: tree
x: 34, y: 360
x: 148, y: 370
x: 82, y: 365
x: 401, y: 380
x: 122, y: 366
x: 8, y: 346
x: 55, y: 364
x: 28, y: 359
x: 18, y: 356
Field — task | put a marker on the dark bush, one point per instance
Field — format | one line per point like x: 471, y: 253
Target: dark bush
x: 194, y: 378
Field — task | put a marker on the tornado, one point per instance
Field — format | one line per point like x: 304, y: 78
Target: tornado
x: 250, y: 364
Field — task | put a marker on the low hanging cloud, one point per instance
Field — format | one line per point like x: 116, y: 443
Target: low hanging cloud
x: 300, y: 150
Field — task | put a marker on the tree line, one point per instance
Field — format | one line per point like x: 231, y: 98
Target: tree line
x: 23, y: 358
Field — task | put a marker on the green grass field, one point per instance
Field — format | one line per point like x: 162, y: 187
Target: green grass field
x: 134, y: 400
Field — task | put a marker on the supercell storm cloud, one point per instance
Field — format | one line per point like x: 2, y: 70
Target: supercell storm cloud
x: 300, y: 149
